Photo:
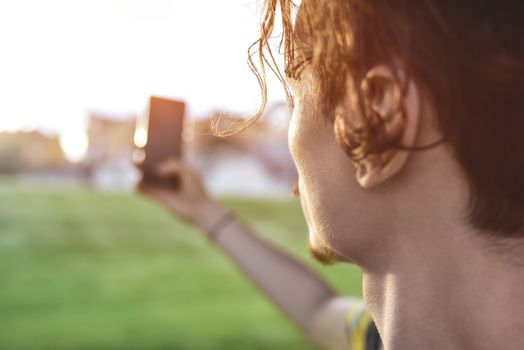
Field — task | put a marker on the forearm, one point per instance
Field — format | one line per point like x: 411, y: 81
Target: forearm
x: 290, y: 284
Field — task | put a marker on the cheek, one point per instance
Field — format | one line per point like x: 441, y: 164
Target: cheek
x: 304, y: 138
x: 293, y: 135
x: 302, y: 143
x: 303, y: 201
x: 295, y: 141
x: 309, y: 144
x: 328, y: 189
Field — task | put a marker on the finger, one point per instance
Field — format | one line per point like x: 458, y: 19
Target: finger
x: 169, y: 167
x: 160, y: 196
x: 143, y: 188
x: 152, y: 192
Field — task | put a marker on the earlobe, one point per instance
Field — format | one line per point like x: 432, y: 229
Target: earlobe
x: 376, y: 169
x: 371, y: 174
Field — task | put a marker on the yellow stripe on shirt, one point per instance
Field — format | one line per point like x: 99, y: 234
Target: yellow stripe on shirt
x: 358, y: 323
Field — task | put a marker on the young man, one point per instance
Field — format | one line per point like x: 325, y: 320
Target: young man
x: 408, y: 136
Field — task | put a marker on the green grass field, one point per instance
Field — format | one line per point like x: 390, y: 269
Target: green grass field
x: 87, y: 270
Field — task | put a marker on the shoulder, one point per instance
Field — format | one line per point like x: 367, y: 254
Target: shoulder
x: 345, y: 323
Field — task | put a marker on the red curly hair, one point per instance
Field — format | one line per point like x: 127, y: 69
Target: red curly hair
x: 468, y: 54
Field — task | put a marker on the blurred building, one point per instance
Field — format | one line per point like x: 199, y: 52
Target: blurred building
x: 254, y: 162
x: 30, y: 152
x: 108, y: 161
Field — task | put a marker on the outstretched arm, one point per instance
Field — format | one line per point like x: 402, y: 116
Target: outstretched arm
x: 299, y: 292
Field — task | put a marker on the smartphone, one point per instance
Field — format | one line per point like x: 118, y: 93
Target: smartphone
x: 164, y: 138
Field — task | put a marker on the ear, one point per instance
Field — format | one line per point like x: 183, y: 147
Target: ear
x: 384, y: 93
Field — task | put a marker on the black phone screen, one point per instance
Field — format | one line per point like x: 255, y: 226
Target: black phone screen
x: 164, y: 135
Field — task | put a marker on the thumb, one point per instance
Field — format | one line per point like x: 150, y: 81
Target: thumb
x: 169, y: 167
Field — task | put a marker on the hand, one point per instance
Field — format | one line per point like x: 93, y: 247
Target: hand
x: 188, y: 199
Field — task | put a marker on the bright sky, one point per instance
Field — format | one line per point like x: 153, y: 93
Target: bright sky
x: 61, y: 59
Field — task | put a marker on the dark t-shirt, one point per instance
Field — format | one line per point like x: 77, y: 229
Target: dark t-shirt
x: 360, y: 329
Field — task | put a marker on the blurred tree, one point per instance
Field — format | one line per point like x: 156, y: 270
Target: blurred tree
x: 29, y: 152
x: 11, y: 161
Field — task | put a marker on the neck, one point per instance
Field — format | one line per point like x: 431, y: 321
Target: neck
x: 439, y: 284
x: 453, y: 292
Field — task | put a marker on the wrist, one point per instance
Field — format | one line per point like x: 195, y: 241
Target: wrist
x: 209, y: 213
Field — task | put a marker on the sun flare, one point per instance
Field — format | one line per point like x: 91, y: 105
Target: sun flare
x: 74, y: 144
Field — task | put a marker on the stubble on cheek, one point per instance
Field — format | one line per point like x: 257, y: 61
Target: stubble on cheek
x: 304, y: 205
x: 323, y: 254
x: 318, y: 250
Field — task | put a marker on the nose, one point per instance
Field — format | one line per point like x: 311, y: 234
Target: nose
x: 295, y: 191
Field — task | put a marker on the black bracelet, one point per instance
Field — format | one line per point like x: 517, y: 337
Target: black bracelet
x: 219, y: 225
